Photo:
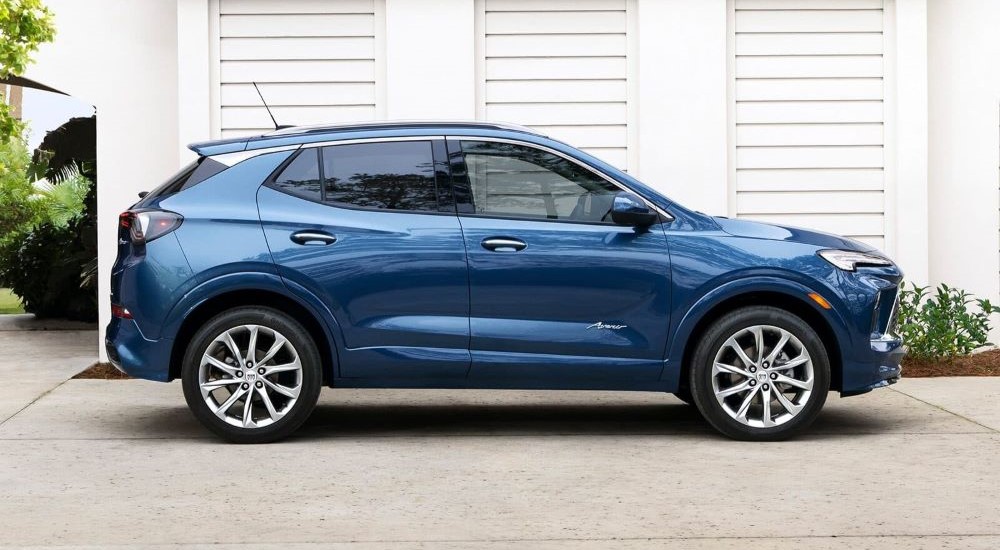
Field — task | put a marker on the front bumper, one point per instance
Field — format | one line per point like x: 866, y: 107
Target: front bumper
x: 130, y: 352
x: 881, y: 370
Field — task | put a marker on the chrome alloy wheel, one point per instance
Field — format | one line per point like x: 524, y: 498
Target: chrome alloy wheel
x: 762, y: 376
x: 250, y: 376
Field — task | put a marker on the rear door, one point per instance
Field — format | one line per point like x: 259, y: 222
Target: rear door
x: 370, y: 228
x: 560, y: 295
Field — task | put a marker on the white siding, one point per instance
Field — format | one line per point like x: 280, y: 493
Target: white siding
x: 314, y: 61
x: 560, y: 67
x: 809, y: 114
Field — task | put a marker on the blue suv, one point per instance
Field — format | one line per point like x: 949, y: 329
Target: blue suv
x: 477, y: 255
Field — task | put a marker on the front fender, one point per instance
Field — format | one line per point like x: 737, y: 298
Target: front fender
x: 732, y: 289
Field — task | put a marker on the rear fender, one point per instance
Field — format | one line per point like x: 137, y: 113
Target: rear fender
x: 257, y: 281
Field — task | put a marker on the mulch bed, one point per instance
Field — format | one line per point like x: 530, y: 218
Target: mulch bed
x: 103, y: 371
x: 986, y: 363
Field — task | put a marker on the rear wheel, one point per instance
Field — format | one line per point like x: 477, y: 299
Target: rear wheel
x: 251, y: 375
x: 761, y: 374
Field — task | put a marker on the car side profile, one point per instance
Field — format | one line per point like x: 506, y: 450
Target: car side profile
x: 479, y: 255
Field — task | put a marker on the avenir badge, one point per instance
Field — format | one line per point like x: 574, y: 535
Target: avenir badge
x: 609, y: 326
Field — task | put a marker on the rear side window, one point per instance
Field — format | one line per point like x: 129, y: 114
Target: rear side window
x: 189, y: 176
x: 393, y: 175
x: 301, y: 177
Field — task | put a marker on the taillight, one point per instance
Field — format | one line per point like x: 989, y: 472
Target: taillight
x: 120, y: 311
x: 146, y: 225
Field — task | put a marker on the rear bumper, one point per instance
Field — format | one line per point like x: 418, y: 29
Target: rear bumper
x: 130, y: 352
x: 882, y: 368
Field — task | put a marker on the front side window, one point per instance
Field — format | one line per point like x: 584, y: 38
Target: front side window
x: 510, y: 180
x: 391, y: 175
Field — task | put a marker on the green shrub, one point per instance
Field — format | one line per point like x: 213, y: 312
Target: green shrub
x: 47, y: 238
x: 946, y: 324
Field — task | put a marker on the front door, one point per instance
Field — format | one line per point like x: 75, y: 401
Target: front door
x: 559, y: 294
x: 360, y: 225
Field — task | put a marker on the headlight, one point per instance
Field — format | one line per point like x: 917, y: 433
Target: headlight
x: 849, y: 260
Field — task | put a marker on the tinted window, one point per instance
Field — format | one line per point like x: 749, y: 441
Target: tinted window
x: 524, y: 182
x: 301, y: 176
x: 395, y: 175
x: 189, y: 176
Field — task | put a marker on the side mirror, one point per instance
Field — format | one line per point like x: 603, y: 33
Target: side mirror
x: 629, y: 209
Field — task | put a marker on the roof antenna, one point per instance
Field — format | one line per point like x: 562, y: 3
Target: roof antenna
x: 269, y: 113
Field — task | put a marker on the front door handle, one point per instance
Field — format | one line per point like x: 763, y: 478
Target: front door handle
x: 504, y: 244
x: 313, y: 237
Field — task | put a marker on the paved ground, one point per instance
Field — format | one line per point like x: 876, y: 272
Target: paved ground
x: 102, y: 463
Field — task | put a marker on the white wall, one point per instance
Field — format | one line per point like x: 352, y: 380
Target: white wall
x: 121, y: 56
x: 430, y: 75
x: 964, y: 144
x: 152, y: 70
x: 682, y: 82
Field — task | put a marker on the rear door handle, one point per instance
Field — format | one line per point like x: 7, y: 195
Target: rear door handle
x: 504, y: 244
x: 313, y: 237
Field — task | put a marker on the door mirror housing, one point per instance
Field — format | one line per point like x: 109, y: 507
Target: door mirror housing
x: 629, y: 209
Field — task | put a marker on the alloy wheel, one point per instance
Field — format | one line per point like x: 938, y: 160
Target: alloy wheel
x: 250, y: 376
x: 762, y: 376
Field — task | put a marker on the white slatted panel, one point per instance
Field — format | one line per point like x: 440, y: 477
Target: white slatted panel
x: 560, y: 66
x: 809, y: 114
x: 314, y: 61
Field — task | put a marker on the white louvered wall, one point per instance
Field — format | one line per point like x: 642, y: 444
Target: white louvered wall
x: 559, y: 66
x: 314, y: 60
x: 809, y: 114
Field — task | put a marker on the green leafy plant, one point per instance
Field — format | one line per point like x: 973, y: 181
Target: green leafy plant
x: 24, y: 25
x: 943, y: 324
x: 47, y: 237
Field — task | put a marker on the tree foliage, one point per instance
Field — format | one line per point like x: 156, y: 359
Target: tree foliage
x: 24, y: 25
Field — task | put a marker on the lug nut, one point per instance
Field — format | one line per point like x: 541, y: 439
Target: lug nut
x: 246, y: 386
x: 753, y: 369
x: 766, y: 387
x: 260, y: 384
x: 249, y: 364
x: 766, y: 364
x: 753, y: 383
x: 261, y: 371
x: 239, y: 374
x: 774, y: 376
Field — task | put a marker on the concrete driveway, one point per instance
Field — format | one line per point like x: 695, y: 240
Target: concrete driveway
x: 103, y: 463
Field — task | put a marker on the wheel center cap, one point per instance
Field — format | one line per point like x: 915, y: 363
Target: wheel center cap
x: 250, y: 376
x: 761, y: 376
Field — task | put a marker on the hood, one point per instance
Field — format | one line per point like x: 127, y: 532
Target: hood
x: 759, y: 230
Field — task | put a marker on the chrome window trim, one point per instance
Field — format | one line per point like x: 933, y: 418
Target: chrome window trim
x: 236, y: 157
x: 240, y: 156
x: 668, y: 216
x: 369, y: 140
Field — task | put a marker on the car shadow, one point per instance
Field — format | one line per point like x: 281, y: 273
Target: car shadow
x: 395, y: 419
x: 502, y: 419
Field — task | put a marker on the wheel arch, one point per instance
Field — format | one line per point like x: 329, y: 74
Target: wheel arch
x: 829, y: 326
x: 210, y: 306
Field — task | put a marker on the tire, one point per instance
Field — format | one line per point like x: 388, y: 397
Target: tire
x: 283, y: 383
x: 730, y: 389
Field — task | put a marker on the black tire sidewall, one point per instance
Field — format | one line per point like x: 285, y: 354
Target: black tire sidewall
x: 700, y: 372
x: 294, y: 333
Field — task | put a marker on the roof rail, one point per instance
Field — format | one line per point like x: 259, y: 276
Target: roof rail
x: 376, y: 124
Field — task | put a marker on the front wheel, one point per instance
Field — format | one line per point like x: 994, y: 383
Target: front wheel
x: 760, y: 374
x: 251, y: 375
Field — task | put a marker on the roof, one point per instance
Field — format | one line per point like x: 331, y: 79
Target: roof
x: 291, y: 134
x: 398, y: 124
